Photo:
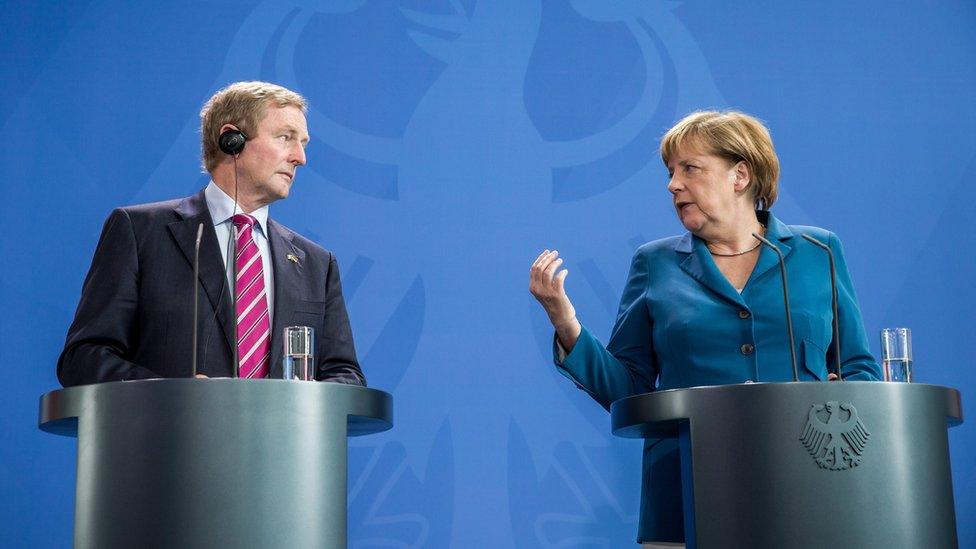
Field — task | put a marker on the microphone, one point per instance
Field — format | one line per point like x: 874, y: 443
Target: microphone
x: 232, y: 253
x: 220, y: 300
x: 196, y: 295
x: 833, y: 298
x: 233, y: 287
x: 786, y: 301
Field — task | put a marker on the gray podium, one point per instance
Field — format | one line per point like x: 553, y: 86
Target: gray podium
x: 213, y: 462
x: 841, y: 464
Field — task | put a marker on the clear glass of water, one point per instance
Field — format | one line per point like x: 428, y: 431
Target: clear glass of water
x: 299, y: 357
x: 896, y: 354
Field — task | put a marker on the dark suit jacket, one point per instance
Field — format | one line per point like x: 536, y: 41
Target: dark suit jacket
x: 134, y: 319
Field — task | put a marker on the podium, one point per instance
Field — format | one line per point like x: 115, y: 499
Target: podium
x: 807, y: 465
x: 212, y: 462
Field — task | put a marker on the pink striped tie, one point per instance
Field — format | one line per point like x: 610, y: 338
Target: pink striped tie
x: 253, y: 325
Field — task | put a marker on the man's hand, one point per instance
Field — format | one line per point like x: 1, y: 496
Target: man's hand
x: 548, y: 287
x: 201, y: 376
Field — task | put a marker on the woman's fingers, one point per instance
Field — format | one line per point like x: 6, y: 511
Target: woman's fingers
x: 551, y: 269
x: 542, y: 279
x: 539, y: 259
x: 537, y: 272
x: 559, y: 282
x: 547, y: 284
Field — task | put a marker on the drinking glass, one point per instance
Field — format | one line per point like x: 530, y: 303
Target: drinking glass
x: 299, y: 357
x: 896, y: 354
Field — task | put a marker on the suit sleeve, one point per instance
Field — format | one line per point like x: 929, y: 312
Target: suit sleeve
x: 338, y: 362
x: 857, y: 363
x: 102, y: 331
x: 627, y: 365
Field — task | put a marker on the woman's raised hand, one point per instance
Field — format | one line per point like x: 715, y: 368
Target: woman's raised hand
x: 548, y: 287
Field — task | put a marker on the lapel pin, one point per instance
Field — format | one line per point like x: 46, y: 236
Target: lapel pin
x: 292, y: 258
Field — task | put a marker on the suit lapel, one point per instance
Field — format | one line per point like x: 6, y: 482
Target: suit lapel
x: 700, y: 266
x: 194, y: 211
x: 288, y: 263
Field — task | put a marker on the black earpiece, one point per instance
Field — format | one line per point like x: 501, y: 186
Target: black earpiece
x: 232, y: 142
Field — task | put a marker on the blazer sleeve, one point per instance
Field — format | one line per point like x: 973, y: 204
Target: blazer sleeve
x: 338, y: 362
x: 857, y: 363
x: 627, y: 365
x: 102, y: 332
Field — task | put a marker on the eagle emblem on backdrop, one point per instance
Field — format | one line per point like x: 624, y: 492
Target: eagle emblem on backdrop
x: 835, y: 435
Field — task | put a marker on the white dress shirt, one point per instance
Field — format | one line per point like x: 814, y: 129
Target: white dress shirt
x: 222, y: 209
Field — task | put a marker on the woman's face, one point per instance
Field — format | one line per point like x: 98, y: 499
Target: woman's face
x: 705, y: 188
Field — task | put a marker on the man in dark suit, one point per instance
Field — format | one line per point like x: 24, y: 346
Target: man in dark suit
x: 134, y: 319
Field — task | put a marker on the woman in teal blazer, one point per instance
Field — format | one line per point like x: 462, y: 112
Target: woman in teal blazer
x: 706, y: 308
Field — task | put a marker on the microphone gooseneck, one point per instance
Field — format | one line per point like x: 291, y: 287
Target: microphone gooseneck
x: 233, y: 304
x: 196, y: 296
x: 786, y: 301
x: 231, y: 248
x: 833, y: 299
x: 220, y: 301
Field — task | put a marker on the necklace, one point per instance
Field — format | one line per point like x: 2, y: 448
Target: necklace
x: 762, y: 231
x: 716, y: 254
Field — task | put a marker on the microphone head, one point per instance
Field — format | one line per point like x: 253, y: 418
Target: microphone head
x: 199, y: 234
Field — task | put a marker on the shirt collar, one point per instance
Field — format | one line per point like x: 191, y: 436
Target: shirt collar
x: 222, y: 207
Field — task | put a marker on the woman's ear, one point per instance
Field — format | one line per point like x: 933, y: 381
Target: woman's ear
x: 742, y: 174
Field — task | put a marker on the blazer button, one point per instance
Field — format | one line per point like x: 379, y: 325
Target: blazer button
x: 747, y: 349
x: 744, y: 314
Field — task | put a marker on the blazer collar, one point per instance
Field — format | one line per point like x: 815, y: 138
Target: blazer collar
x: 193, y: 211
x: 290, y: 283
x: 700, y: 265
x: 777, y: 233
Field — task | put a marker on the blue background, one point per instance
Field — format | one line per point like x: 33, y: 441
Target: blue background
x: 453, y: 141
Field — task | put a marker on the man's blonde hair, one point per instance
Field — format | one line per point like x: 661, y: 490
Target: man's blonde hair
x: 734, y: 136
x: 242, y: 104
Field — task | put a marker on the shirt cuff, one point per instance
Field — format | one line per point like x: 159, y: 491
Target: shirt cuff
x: 561, y: 352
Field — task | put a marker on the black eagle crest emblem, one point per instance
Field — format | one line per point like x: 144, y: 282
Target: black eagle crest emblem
x: 834, y: 442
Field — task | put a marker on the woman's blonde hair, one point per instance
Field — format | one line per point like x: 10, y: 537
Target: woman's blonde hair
x: 734, y: 136
x: 242, y: 104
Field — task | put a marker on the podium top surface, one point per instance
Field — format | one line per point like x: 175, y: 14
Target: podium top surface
x: 367, y: 410
x: 658, y: 414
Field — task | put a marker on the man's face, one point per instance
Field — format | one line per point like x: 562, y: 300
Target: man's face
x: 269, y: 160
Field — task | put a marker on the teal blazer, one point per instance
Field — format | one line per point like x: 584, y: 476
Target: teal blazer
x: 682, y: 324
